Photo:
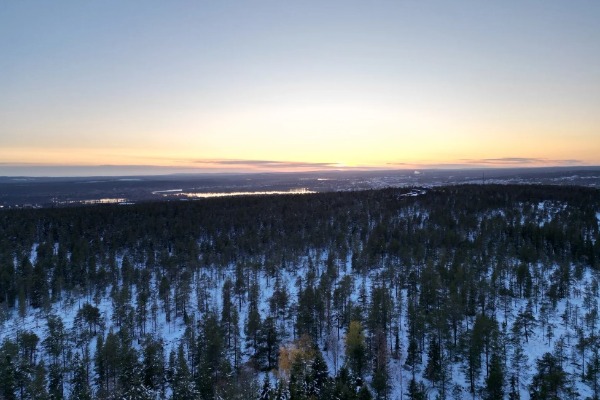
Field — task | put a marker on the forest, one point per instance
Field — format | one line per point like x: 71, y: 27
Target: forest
x: 452, y: 292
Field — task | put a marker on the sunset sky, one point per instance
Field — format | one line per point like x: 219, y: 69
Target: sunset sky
x: 297, y: 85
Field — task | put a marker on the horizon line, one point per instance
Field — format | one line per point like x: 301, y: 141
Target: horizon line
x: 104, y: 170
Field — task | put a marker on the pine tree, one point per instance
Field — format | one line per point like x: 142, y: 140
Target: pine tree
x: 519, y: 360
x: 226, y: 312
x: 593, y: 373
x: 7, y: 371
x: 413, y: 356
x: 236, y: 338
x: 474, y: 347
x: 100, y: 365
x: 268, y: 344
x: 37, y: 388
x: 55, y: 382
x: 39, y: 288
x: 183, y: 385
x: 136, y: 390
x: 266, y: 391
x: 240, y: 283
x: 416, y: 391
x: 319, y: 376
x: 364, y: 393
x: 212, y: 366
x: 127, y: 362
x: 550, y: 381
x: 22, y: 376
x: 433, y: 370
x: 80, y: 387
x: 494, y: 384
x: 514, y: 393
x: 141, y: 308
x: 252, y: 330
x: 153, y: 369
x: 525, y: 322
x: 381, y: 377
x: 171, y: 368
x: 54, y: 344
x: 164, y: 293
x: 299, y: 384
x: 281, y: 391
x: 109, y: 359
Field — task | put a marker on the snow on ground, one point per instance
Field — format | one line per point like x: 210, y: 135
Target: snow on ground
x: 173, y: 332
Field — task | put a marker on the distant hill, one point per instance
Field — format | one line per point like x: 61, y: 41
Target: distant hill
x: 52, y: 192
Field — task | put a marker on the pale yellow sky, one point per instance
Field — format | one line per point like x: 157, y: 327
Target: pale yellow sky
x: 351, y: 134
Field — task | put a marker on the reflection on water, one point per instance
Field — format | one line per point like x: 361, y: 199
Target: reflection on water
x: 170, y: 191
x: 91, y: 201
x: 223, y: 194
x: 103, y: 201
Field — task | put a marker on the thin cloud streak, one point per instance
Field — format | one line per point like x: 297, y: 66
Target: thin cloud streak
x: 500, y: 162
x: 234, y: 166
x: 521, y: 160
x: 266, y: 163
x: 41, y: 170
x: 237, y: 166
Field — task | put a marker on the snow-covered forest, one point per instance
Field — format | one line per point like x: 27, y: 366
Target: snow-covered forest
x: 458, y: 292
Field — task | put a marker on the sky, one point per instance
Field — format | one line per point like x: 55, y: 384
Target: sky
x: 297, y: 85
